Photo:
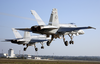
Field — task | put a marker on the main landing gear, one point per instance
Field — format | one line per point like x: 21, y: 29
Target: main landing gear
x: 48, y: 42
x: 65, y: 42
x: 70, y: 42
x: 71, y: 37
x: 42, y: 47
x: 36, y: 49
x: 25, y: 47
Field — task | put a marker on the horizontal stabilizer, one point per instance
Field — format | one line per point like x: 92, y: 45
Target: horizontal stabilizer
x: 24, y: 29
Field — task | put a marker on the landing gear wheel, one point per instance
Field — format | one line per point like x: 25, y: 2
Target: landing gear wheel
x: 36, y: 49
x: 42, y: 47
x: 66, y: 43
x: 23, y: 44
x: 71, y: 42
x: 48, y: 43
x: 24, y: 49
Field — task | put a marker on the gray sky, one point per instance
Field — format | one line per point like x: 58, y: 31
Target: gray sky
x: 80, y: 12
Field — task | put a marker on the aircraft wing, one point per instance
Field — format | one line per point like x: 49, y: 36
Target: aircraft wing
x: 38, y: 40
x: 69, y: 29
x: 41, y: 28
x: 12, y: 39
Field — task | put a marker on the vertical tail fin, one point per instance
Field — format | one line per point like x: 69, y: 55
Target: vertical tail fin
x: 26, y: 34
x: 54, y: 18
x: 39, y: 20
x: 16, y: 33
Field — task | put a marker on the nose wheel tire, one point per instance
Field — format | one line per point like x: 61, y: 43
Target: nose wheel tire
x: 71, y: 42
x: 66, y: 43
x: 42, y: 47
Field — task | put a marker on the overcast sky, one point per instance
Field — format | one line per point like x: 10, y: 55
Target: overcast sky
x: 80, y: 12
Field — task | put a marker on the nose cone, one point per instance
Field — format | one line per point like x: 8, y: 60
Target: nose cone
x: 81, y: 32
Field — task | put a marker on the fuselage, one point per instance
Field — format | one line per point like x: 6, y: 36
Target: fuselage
x: 54, y: 31
x: 29, y: 40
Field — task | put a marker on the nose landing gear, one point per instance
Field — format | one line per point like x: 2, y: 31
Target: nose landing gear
x: 71, y: 37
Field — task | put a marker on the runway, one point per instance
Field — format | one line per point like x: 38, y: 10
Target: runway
x: 32, y: 61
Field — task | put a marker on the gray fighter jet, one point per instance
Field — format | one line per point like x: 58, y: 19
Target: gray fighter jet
x: 28, y: 40
x: 55, y: 29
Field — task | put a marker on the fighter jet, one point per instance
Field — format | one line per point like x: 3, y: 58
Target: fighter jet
x: 28, y: 40
x: 55, y: 29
